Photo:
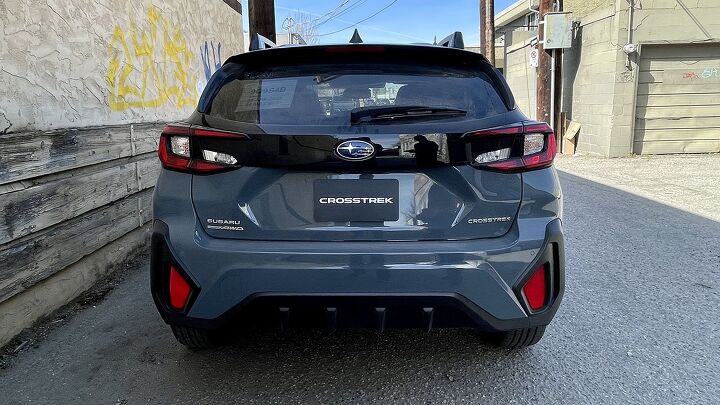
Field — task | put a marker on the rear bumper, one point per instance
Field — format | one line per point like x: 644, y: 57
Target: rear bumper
x: 366, y: 284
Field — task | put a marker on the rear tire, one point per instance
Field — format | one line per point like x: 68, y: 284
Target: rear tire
x: 196, y: 339
x: 515, y: 339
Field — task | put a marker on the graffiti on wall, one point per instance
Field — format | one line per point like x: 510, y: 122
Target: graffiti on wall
x: 216, y: 59
x: 150, y: 65
x: 210, y: 64
x: 708, y: 73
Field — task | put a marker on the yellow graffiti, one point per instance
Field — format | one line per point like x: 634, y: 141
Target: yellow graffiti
x: 149, y: 67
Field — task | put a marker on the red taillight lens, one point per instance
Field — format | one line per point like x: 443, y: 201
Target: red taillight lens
x: 216, y: 133
x: 543, y: 158
x: 179, y: 290
x: 176, y: 153
x: 535, y: 148
x: 169, y: 159
x: 535, y: 289
x: 507, y: 130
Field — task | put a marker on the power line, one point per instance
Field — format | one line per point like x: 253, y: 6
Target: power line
x: 334, y: 10
x: 361, y: 21
x: 351, y: 7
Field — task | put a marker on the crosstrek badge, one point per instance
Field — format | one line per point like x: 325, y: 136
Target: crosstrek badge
x: 490, y: 220
x: 356, y: 200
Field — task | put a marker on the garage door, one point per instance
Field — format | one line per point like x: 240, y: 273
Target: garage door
x: 678, y: 100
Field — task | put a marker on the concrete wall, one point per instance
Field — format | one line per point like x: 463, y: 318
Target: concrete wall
x: 583, y: 8
x: 589, y: 79
x: 600, y: 81
x: 521, y: 77
x: 676, y: 21
x: 86, y: 87
x: 78, y: 63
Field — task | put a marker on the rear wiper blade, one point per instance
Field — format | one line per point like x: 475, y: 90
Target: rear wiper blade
x: 384, y: 113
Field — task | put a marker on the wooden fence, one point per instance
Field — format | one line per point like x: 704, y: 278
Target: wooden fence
x: 65, y: 195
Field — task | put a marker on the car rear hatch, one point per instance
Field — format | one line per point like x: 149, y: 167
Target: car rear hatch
x: 339, y: 150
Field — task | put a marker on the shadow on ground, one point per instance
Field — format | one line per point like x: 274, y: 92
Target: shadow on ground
x: 639, y: 324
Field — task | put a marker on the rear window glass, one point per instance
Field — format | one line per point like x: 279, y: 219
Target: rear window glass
x: 326, y: 94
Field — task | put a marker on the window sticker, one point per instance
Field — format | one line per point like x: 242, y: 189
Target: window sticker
x: 273, y: 94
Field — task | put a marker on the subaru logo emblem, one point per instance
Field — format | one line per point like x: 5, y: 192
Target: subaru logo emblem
x: 355, y: 150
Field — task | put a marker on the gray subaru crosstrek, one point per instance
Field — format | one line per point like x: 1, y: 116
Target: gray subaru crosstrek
x: 357, y: 185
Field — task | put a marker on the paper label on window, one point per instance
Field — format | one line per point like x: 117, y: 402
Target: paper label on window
x: 272, y: 94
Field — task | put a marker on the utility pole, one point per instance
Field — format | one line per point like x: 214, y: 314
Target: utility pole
x: 487, y: 29
x: 261, y: 14
x: 544, y: 70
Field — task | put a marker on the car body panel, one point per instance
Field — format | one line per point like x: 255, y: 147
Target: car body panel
x: 483, y: 271
x: 254, y: 233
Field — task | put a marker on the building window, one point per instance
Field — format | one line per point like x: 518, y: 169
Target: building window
x: 531, y: 22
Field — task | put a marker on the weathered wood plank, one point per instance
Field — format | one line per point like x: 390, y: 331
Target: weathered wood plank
x: 22, y: 310
x: 145, y: 138
x: 31, y: 259
x: 26, y: 155
x: 38, y: 207
x: 148, y: 171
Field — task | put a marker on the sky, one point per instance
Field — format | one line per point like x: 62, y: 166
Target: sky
x: 403, y: 21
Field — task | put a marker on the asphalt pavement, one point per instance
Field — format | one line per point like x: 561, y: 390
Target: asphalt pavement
x: 639, y: 324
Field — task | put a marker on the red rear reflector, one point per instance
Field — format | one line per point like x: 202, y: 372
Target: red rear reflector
x: 179, y: 290
x: 535, y: 289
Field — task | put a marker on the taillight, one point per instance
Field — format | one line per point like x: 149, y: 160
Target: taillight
x: 177, y: 152
x: 179, y: 289
x: 520, y: 147
x: 536, y: 288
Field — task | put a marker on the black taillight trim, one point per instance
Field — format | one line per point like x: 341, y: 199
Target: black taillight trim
x: 518, y: 163
x: 193, y: 164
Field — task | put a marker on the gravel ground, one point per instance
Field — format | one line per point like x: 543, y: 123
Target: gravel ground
x: 688, y: 182
x: 639, y: 324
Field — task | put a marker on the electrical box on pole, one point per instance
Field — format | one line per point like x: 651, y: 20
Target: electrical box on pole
x: 558, y: 30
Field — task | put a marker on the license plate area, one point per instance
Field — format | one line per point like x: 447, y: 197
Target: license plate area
x: 361, y: 200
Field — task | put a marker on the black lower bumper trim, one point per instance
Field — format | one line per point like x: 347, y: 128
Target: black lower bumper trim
x: 377, y: 311
x: 380, y: 310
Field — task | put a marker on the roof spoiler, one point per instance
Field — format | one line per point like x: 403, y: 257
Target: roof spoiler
x: 258, y: 42
x: 454, y: 40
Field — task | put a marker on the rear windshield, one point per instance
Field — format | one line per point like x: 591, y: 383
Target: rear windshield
x: 327, y: 94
